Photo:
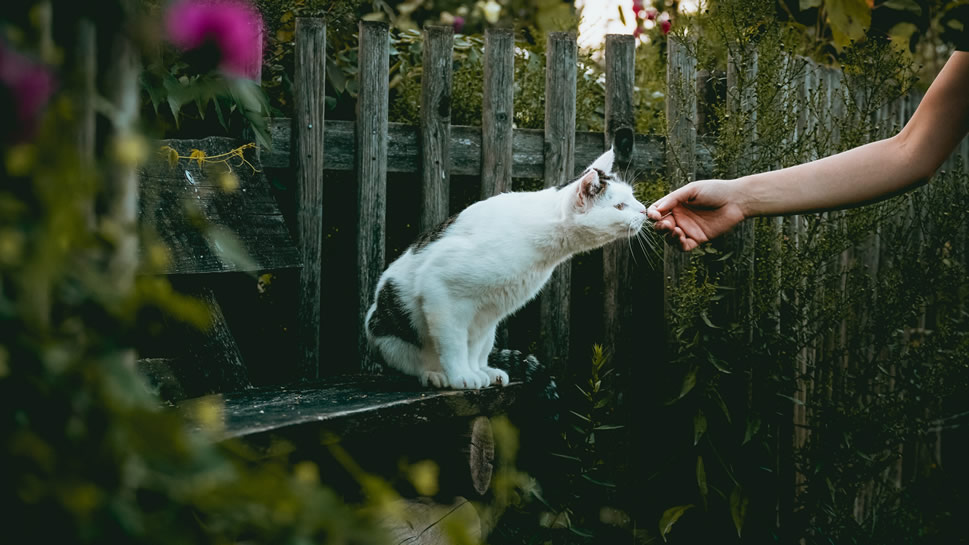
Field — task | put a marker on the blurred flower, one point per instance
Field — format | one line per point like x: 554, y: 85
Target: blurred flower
x: 25, y: 88
x: 224, y: 33
x: 651, y: 14
x: 491, y: 10
x: 637, y: 5
x: 458, y: 23
x: 665, y: 23
x: 637, y: 31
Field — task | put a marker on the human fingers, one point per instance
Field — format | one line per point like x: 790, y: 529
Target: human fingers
x: 665, y: 205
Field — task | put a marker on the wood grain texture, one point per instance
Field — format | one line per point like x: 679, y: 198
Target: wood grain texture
x: 435, y: 125
x: 467, y: 148
x: 680, y: 143
x: 498, y: 112
x: 308, y: 126
x: 371, y: 169
x: 559, y: 151
x: 620, y: 128
x: 182, y: 205
x: 346, y: 405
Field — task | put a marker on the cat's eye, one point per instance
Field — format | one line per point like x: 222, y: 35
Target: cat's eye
x: 620, y: 206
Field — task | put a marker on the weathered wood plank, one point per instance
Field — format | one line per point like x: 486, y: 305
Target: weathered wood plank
x: 497, y: 117
x: 466, y: 151
x: 174, y: 199
x: 371, y: 169
x: 435, y: 125
x: 619, y: 133
x: 497, y: 112
x: 680, y: 143
x: 308, y: 121
x: 559, y: 146
x: 344, y: 405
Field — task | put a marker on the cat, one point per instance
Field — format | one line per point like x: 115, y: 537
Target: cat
x: 436, y: 306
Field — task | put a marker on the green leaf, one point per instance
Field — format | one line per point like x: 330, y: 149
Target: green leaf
x: 904, y: 5
x: 723, y: 406
x: 738, y: 508
x: 583, y: 417
x: 849, y: 20
x: 566, y: 457
x: 706, y: 320
x: 609, y: 427
x: 701, y: 480
x: 598, y: 482
x: 689, y: 381
x: 669, y: 518
x: 808, y: 4
x: 699, y: 426
x: 753, y: 426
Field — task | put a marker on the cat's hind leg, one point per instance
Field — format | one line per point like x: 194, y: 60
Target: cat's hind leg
x: 411, y: 360
x: 479, y: 359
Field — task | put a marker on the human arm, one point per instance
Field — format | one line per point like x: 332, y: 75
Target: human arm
x: 703, y: 210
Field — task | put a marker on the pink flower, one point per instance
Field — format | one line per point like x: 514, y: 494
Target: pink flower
x: 25, y: 88
x: 637, y: 31
x: 665, y: 23
x: 651, y: 14
x: 637, y: 5
x: 458, y: 23
x: 232, y: 29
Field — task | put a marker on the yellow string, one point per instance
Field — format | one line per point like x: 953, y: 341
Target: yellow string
x: 201, y: 158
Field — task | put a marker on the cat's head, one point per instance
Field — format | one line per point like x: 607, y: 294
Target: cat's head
x: 601, y: 205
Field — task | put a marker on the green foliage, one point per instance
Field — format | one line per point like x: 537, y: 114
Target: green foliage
x: 812, y: 319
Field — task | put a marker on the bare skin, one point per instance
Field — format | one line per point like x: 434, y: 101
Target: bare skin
x: 703, y: 210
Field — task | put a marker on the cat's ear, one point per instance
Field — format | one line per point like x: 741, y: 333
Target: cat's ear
x: 590, y: 185
x: 604, y: 162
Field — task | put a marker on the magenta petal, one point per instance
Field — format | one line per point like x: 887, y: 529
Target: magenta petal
x: 233, y: 26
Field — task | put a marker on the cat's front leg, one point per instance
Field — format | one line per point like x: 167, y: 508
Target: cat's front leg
x: 446, y: 326
x: 479, y: 359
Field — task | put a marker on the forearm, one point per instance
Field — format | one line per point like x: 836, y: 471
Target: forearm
x: 858, y: 176
x: 873, y: 171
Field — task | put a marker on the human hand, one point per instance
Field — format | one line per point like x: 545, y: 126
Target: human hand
x: 698, y: 212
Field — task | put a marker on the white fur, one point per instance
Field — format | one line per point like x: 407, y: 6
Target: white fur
x: 494, y: 258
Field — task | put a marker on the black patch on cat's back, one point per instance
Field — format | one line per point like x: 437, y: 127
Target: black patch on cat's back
x: 390, y: 319
x: 433, y: 234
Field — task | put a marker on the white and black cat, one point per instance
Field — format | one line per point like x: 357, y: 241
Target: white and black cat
x: 437, y: 305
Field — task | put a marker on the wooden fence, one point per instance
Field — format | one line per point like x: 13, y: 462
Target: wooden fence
x: 370, y: 147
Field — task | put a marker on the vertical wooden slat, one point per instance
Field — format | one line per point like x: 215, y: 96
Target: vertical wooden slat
x: 121, y: 187
x: 371, y: 166
x: 560, y: 78
x: 619, y: 134
x: 742, y: 63
x: 497, y: 111
x: 86, y: 123
x: 308, y: 116
x: 497, y: 117
x: 681, y: 111
x: 435, y: 125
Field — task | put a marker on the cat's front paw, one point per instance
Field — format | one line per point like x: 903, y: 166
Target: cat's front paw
x: 435, y: 379
x: 468, y: 380
x: 496, y: 377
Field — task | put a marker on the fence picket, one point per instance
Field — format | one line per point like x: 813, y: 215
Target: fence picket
x: 308, y: 120
x: 435, y: 124
x: 497, y: 112
x: 681, y: 109
x: 619, y: 130
x: 371, y: 162
x: 560, y: 79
